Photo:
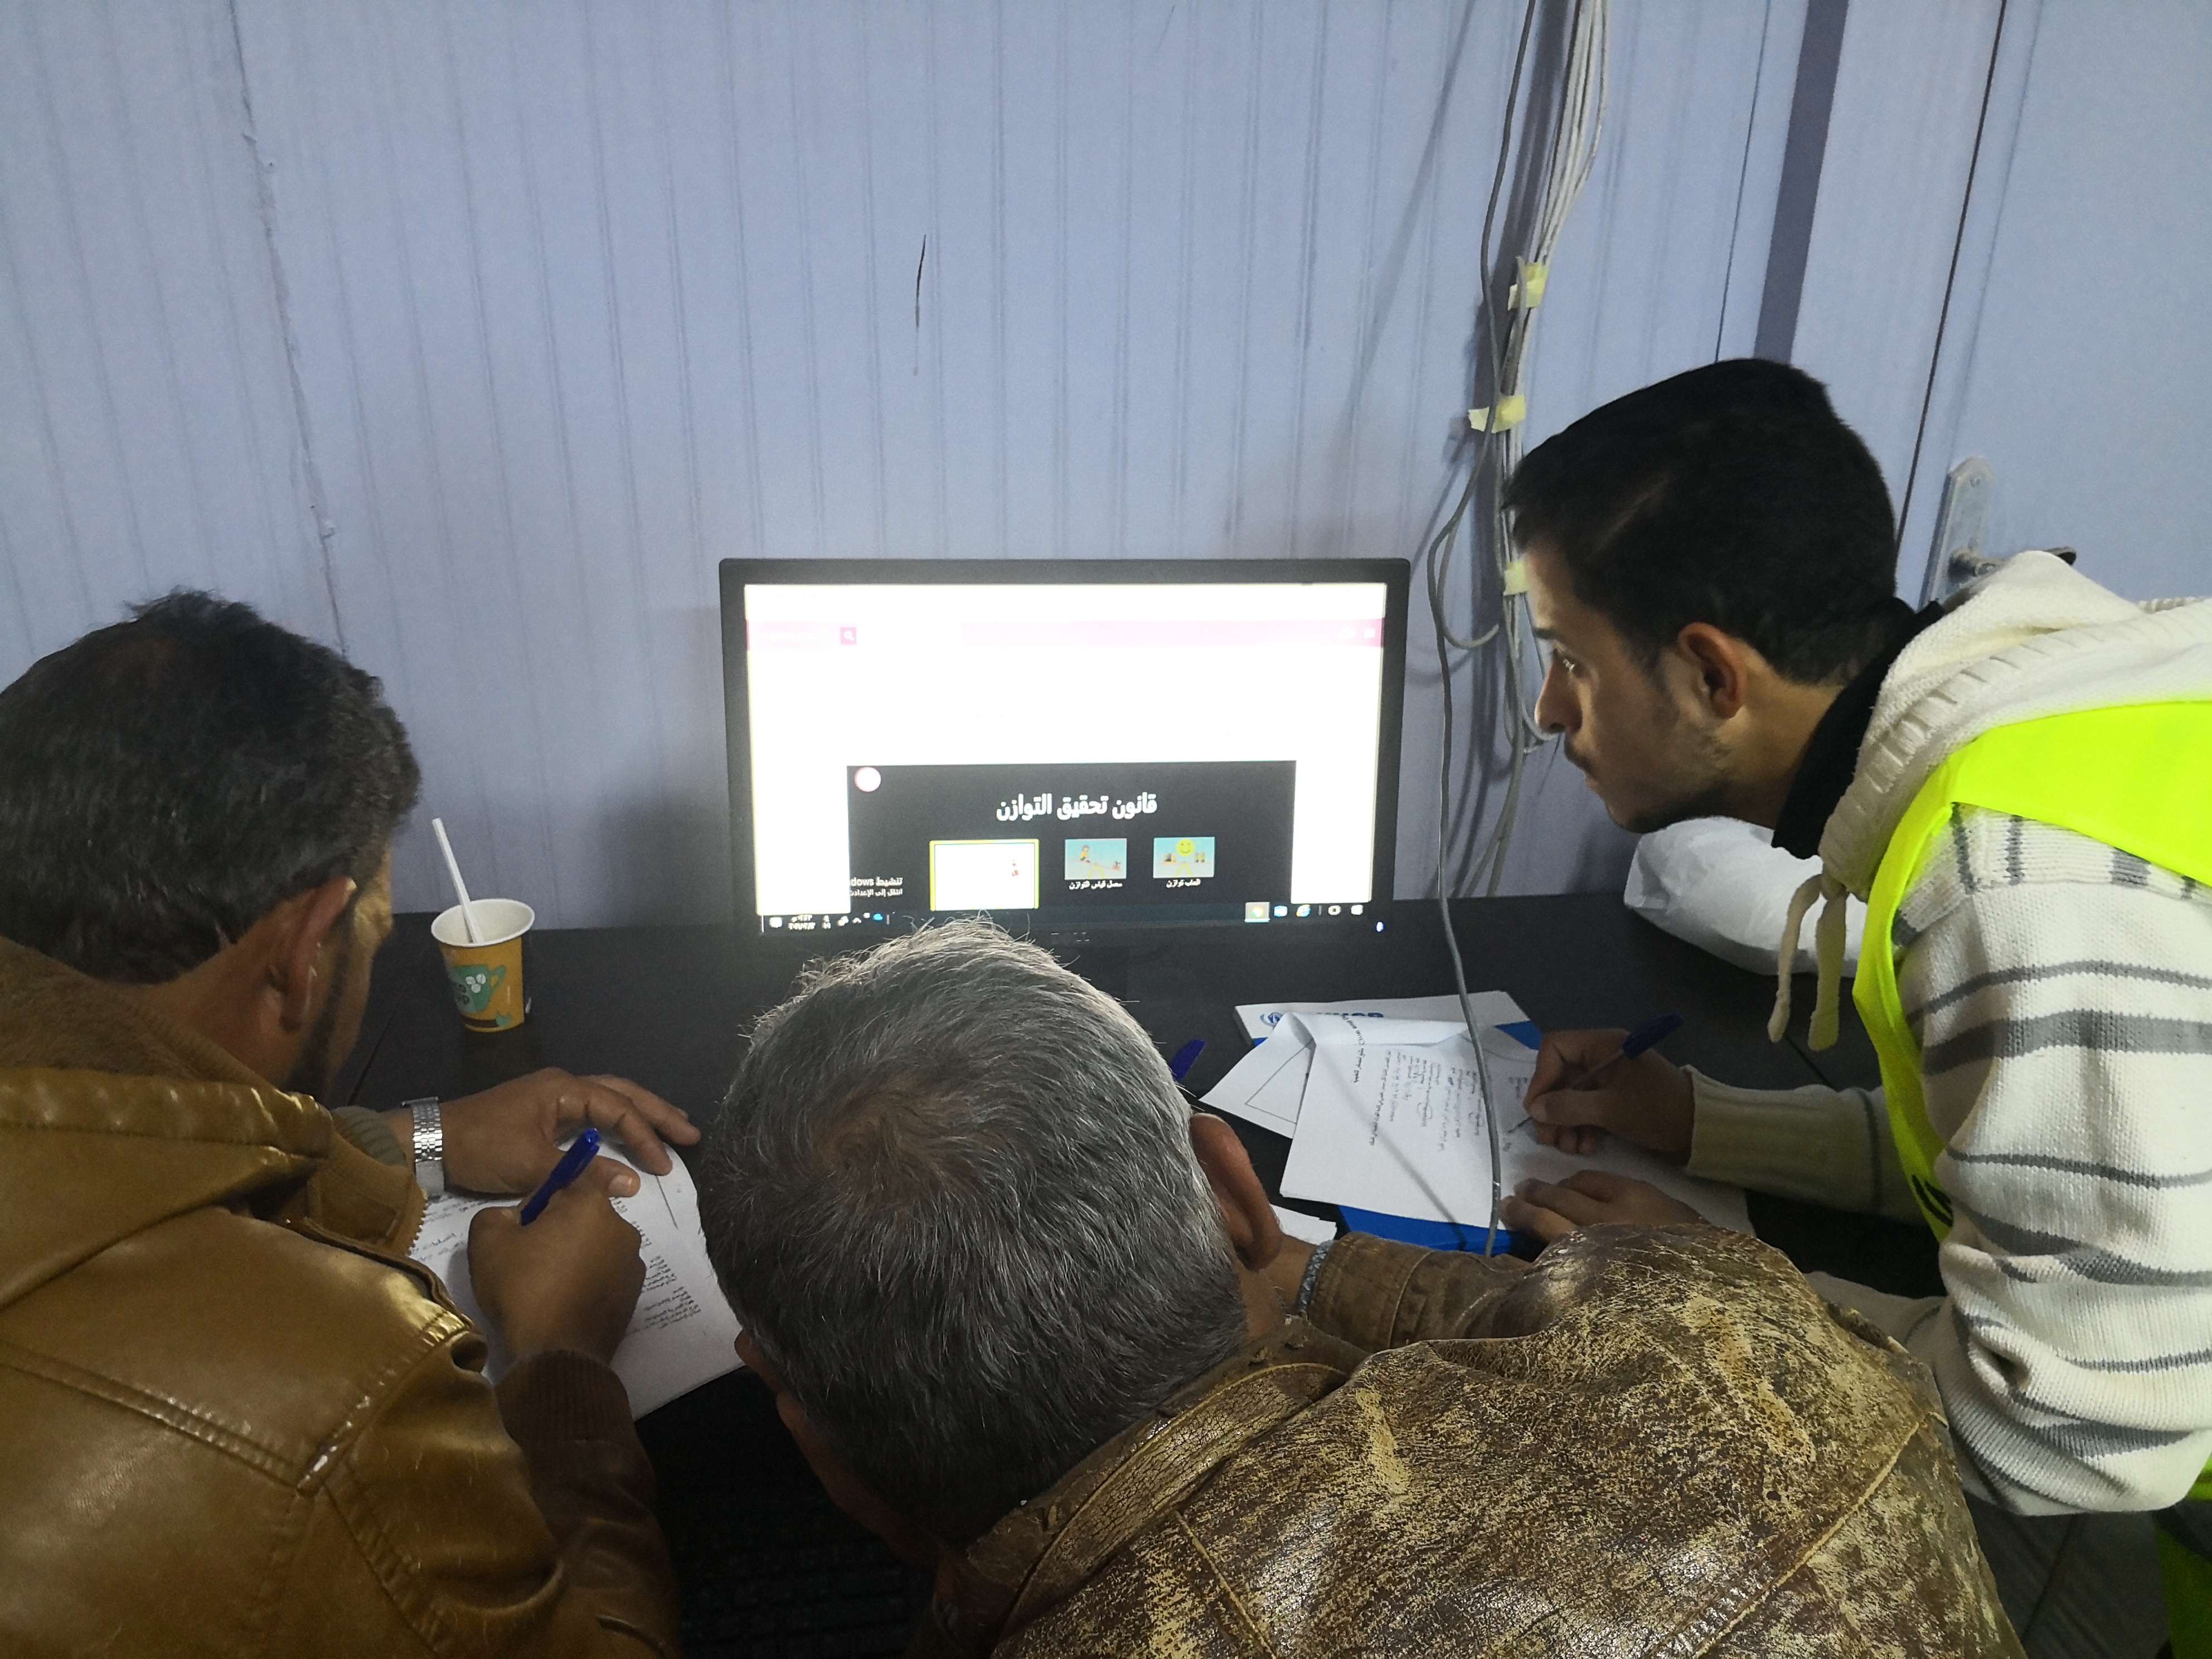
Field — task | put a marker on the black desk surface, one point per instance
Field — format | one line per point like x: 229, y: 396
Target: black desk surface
x: 670, y: 1007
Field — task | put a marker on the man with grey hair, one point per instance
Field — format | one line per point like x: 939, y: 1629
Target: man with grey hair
x: 1032, y: 1320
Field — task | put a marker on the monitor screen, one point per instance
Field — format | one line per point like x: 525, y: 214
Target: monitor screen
x: 1086, y: 744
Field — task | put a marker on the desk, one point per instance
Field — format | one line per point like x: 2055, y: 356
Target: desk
x: 670, y: 1007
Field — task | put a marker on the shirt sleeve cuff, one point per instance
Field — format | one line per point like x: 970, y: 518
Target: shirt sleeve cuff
x: 1356, y: 1292
x: 369, y: 1132
x: 356, y: 1194
x: 1376, y: 1293
x: 1822, y: 1145
x: 560, y: 1396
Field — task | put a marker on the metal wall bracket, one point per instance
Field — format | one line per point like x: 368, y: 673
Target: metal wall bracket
x: 1957, y: 558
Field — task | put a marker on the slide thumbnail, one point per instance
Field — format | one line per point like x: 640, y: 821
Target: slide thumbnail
x: 1096, y: 860
x: 1183, y: 858
x: 983, y: 875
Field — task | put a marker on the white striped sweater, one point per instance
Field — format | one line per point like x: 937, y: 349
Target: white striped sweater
x: 2062, y: 994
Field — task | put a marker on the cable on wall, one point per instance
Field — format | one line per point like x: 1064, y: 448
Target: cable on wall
x: 1504, y: 651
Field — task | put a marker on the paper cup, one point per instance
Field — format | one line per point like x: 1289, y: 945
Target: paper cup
x: 487, y: 978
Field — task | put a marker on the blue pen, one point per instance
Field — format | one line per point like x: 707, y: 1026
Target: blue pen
x: 570, y: 1166
x: 1185, y: 1058
x: 1654, y: 1030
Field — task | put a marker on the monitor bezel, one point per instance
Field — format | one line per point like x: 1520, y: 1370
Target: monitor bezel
x: 1395, y: 576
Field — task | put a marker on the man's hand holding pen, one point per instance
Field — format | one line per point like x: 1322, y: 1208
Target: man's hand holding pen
x: 1589, y: 1083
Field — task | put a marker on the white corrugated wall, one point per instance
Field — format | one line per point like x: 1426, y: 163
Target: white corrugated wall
x: 472, y: 335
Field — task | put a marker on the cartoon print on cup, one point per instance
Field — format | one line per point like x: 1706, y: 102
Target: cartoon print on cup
x: 474, y: 984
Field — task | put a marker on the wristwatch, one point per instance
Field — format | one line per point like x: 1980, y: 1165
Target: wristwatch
x: 1312, y: 1277
x: 429, y: 1145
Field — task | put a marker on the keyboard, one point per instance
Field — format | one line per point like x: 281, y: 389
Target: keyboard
x: 788, y: 1575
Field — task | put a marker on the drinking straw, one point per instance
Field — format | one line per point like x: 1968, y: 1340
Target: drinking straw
x: 454, y: 869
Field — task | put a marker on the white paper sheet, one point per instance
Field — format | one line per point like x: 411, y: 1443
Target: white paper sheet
x: 682, y: 1332
x: 1491, y: 1008
x: 1297, y: 1223
x: 1265, y: 1086
x: 1391, y: 1120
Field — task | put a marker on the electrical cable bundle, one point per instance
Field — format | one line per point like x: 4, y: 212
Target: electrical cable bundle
x: 1494, y: 450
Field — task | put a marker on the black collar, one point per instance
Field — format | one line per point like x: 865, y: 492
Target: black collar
x: 1832, y: 755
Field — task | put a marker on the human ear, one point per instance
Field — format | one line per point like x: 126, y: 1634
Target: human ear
x: 1246, y: 1213
x: 909, y: 1542
x: 1723, y: 666
x: 305, y: 923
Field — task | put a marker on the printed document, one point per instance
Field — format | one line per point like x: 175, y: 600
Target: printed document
x: 682, y: 1333
x: 1390, y: 1119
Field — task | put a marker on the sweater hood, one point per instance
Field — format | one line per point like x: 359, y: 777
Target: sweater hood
x: 2035, y: 637
x: 113, y: 1119
x: 2032, y: 639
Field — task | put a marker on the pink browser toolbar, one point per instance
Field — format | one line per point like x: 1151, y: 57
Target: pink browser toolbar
x: 1061, y: 634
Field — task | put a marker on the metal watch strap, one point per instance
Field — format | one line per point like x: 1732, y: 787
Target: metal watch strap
x: 429, y: 1144
x: 1312, y: 1277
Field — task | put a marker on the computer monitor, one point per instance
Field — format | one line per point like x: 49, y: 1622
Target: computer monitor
x: 1091, y: 746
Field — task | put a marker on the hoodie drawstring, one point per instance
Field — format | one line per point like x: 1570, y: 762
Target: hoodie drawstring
x: 1828, y: 938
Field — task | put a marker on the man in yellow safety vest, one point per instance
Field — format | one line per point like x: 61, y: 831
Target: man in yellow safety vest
x: 2018, y: 782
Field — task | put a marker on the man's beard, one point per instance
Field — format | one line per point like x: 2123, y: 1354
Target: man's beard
x: 1702, y: 761
x: 312, y: 1076
x: 1708, y: 801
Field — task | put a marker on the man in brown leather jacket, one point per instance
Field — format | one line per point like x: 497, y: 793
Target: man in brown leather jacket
x: 1033, y: 1321
x: 234, y: 1417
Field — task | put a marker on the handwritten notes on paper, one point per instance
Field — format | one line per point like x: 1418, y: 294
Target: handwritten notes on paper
x: 1392, y: 1120
x: 682, y: 1333
x: 1386, y: 1113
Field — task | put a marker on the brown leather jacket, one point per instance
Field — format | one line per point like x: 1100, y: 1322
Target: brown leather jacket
x: 234, y: 1418
x: 1652, y: 1441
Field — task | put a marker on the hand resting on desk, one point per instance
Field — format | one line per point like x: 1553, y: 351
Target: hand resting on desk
x: 1550, y: 1210
x: 1646, y: 1101
x: 508, y: 1138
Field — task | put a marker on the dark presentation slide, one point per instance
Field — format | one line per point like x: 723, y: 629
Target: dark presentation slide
x: 1044, y: 836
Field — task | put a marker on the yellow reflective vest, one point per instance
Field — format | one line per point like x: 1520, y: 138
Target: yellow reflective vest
x: 2137, y: 777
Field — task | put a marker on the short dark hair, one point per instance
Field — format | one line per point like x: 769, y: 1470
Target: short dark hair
x: 1732, y: 495
x: 166, y: 782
